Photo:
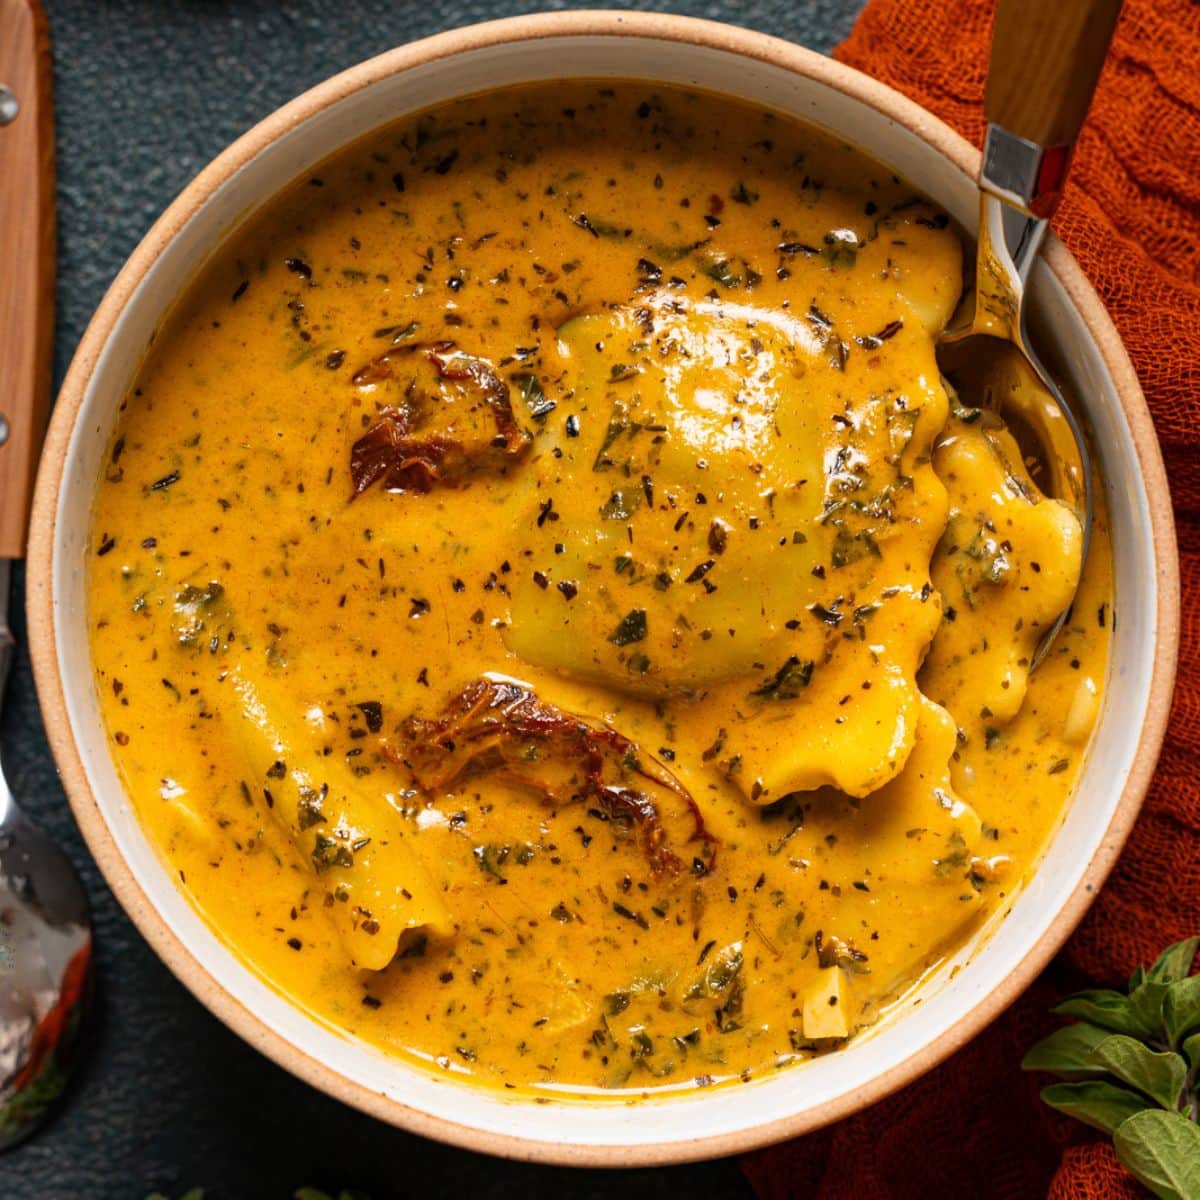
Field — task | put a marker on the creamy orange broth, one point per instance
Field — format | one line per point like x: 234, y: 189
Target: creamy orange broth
x: 702, y: 549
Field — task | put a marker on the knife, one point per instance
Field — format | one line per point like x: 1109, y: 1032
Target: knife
x: 26, y: 260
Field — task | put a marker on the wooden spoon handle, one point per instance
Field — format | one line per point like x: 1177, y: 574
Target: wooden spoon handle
x: 1046, y: 57
x: 26, y: 259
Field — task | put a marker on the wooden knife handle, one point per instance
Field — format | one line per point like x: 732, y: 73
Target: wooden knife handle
x: 26, y: 259
x: 1046, y: 57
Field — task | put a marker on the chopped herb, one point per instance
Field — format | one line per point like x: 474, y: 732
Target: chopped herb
x: 724, y: 272
x: 788, y: 682
x: 328, y: 852
x: 165, y: 482
x: 829, y: 615
x: 629, y: 915
x: 372, y: 712
x: 631, y: 628
x: 309, y: 811
x: 531, y: 391
x: 621, y: 505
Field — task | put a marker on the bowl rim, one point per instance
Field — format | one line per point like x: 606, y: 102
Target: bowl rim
x: 49, y: 673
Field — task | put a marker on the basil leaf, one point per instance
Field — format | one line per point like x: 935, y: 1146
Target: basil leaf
x: 1191, y: 1049
x: 1147, y: 1005
x: 1101, y: 1105
x: 1160, y: 1076
x: 1181, y: 1009
x: 1174, y: 962
x: 1066, y: 1052
x: 1108, y: 1009
x: 1161, y: 1150
x: 1136, y: 979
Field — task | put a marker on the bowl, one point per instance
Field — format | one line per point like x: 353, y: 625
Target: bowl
x: 951, y: 1005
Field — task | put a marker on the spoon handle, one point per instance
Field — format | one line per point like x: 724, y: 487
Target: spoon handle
x: 26, y: 259
x: 1046, y: 58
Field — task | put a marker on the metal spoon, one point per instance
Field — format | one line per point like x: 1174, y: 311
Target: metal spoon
x: 45, y: 930
x: 45, y: 954
x: 1043, y: 70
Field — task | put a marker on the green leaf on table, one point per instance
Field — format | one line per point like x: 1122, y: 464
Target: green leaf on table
x: 1174, y: 962
x: 1181, y: 1009
x: 1191, y: 1050
x: 1066, y: 1052
x: 1159, y: 1075
x: 1147, y: 1004
x: 1102, y: 1105
x: 1108, y: 1009
x: 1161, y: 1150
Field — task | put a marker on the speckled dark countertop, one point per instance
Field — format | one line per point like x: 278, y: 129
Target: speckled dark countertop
x: 147, y: 91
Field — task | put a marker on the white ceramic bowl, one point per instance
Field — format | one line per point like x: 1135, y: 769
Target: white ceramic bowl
x: 962, y: 996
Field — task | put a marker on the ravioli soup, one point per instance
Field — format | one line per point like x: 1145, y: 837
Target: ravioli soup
x: 552, y: 614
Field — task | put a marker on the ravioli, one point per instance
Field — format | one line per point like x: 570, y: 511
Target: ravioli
x: 725, y: 508
x: 372, y: 881
x: 673, y: 511
x: 1007, y: 566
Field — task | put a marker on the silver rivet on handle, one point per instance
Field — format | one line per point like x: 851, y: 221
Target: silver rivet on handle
x: 9, y: 105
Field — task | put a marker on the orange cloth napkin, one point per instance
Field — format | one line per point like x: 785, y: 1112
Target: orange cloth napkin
x: 1131, y: 215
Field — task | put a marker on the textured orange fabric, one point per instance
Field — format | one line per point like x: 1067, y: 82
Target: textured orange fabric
x: 1131, y: 215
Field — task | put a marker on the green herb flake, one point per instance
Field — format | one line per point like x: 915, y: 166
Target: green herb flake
x: 631, y: 628
x: 328, y: 852
x: 788, y: 682
x: 622, y: 504
x: 536, y: 401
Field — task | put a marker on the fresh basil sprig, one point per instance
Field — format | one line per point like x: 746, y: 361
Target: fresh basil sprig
x: 1131, y: 1066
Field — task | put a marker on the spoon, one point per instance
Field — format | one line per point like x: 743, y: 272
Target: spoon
x: 45, y: 955
x: 45, y: 929
x: 1045, y: 61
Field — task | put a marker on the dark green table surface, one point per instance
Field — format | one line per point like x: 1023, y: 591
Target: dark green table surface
x: 147, y: 91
